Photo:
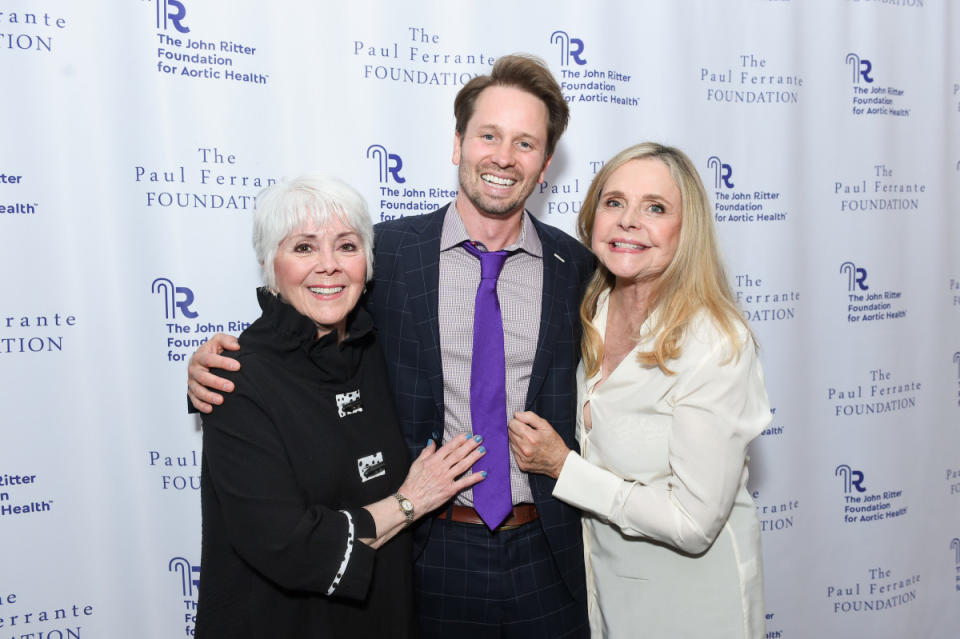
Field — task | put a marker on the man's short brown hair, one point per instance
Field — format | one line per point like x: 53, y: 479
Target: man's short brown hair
x: 524, y: 72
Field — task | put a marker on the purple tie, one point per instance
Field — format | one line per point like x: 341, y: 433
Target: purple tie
x: 488, y: 395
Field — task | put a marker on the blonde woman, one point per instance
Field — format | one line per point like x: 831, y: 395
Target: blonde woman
x: 670, y: 395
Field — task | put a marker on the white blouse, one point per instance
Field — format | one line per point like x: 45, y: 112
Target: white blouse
x: 671, y: 536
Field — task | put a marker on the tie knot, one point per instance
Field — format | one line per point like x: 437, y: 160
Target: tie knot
x: 491, y: 262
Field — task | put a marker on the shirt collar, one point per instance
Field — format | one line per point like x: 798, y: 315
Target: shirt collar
x: 454, y: 233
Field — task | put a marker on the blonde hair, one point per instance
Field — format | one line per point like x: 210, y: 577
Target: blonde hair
x: 694, y: 281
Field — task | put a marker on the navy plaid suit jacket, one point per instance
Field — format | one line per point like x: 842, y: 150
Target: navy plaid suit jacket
x: 403, y: 298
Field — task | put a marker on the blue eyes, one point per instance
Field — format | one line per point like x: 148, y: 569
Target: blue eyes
x: 619, y: 204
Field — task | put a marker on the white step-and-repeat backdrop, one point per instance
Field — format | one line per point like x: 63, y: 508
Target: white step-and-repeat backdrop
x: 137, y: 133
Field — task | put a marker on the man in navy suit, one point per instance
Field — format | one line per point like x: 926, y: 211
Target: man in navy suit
x: 525, y: 578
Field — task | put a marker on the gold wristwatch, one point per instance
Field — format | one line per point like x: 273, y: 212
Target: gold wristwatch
x: 406, y: 506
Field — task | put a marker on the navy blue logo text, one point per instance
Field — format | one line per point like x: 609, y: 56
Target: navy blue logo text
x: 174, y: 297
x: 856, y: 277
x: 570, y: 48
x: 861, y: 68
x: 721, y: 172
x: 389, y: 164
x: 852, y: 479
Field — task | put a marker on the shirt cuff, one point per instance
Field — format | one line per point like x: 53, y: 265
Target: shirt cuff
x: 586, y: 486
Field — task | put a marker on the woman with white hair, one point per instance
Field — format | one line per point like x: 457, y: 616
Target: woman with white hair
x: 306, y: 479
x: 670, y: 394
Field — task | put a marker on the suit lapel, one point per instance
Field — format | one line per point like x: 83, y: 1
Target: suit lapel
x: 422, y: 267
x: 555, y: 281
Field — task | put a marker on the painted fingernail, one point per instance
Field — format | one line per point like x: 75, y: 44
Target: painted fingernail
x: 429, y: 441
x: 478, y: 438
x: 482, y: 450
x: 483, y: 474
x: 467, y: 435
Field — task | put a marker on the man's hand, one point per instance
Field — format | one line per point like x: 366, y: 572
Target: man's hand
x: 536, y: 445
x: 200, y: 381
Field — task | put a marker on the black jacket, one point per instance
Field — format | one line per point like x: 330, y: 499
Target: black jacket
x: 309, y: 435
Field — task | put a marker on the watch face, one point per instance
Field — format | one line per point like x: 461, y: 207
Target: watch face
x: 406, y: 505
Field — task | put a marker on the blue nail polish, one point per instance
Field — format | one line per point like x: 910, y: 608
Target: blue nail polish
x: 467, y: 435
x: 482, y: 450
x: 478, y: 438
x: 483, y: 473
x: 429, y: 441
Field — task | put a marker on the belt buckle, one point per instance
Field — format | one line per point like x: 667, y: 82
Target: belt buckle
x: 506, y: 525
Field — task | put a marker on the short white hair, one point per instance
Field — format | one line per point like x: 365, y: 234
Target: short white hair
x: 289, y: 205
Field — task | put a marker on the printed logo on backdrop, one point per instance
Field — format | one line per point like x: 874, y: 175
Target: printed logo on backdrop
x: 952, y: 477
x: 213, y: 180
x: 776, y: 516
x: 389, y: 163
x: 189, y: 581
x: 403, y: 199
x: 866, y: 306
x: 43, y: 621
x: 916, y: 4
x: 871, y: 95
x: 564, y: 198
x: 182, y: 337
x: 599, y: 83
x: 417, y: 56
x: 178, y: 472
x: 571, y: 49
x: 171, y: 14
x: 744, y: 204
x: 760, y: 301
x: 955, y: 551
x: 174, y: 297
x: 878, y: 392
x: 878, y: 589
x: 30, y: 32
x: 956, y: 360
x: 954, y: 292
x: 774, y: 429
x: 749, y: 79
x: 772, y: 631
x: 187, y: 50
x: 14, y: 504
x: 9, y: 204
x: 878, y: 191
x: 35, y: 334
x: 867, y: 506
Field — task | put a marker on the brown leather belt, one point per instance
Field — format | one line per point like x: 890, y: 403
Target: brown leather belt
x: 522, y: 514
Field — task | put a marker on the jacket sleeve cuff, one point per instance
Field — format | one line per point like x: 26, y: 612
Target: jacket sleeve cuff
x: 363, y: 522
x: 586, y: 486
x: 356, y: 568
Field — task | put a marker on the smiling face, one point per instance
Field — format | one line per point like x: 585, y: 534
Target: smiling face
x: 637, y: 226
x: 502, y: 152
x: 321, y: 272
